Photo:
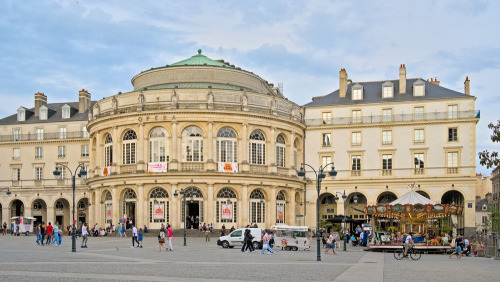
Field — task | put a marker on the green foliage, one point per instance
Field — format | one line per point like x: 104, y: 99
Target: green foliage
x: 491, y: 159
x: 445, y: 226
x: 493, y: 222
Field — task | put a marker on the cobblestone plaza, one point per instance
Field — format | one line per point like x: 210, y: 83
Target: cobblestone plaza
x: 109, y: 258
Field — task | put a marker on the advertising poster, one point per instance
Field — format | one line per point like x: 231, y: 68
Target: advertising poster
x: 228, y: 167
x: 105, y: 171
x: 159, y: 208
x: 109, y: 215
x: 279, y: 213
x: 157, y: 167
x: 227, y: 211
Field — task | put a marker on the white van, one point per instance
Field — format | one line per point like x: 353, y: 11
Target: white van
x: 236, y: 237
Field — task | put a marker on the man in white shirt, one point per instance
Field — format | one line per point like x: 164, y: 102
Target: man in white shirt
x: 407, y: 243
x: 134, y: 236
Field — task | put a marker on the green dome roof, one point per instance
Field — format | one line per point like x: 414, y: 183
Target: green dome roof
x: 200, y: 60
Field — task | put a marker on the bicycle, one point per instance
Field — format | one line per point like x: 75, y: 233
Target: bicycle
x: 412, y: 252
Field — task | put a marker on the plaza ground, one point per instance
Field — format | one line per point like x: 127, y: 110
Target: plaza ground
x: 109, y: 258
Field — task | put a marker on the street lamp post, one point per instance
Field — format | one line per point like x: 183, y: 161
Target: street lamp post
x: 319, y: 177
x: 344, y: 197
x: 7, y: 192
x: 183, y: 193
x: 83, y: 172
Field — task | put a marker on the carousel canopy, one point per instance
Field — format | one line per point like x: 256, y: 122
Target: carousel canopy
x: 412, y: 198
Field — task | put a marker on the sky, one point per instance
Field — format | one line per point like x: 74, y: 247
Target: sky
x: 59, y: 47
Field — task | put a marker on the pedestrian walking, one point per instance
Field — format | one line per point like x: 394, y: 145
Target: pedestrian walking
x: 38, y: 233
x: 249, y: 240
x: 42, y: 232
x: 265, y: 244
x: 140, y: 237
x: 56, y: 234
x: 59, y: 237
x: 330, y: 244
x: 207, y: 235
x: 85, y: 235
x: 4, y: 228
x: 50, y: 229
x: 134, y: 236
x: 170, y: 236
x: 124, y: 230
x: 119, y: 231
x: 161, y: 240
x: 12, y: 225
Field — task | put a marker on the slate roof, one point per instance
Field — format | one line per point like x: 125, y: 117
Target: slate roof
x: 372, y: 93
x: 54, y: 115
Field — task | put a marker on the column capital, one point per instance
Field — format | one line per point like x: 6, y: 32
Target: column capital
x: 245, y: 124
x: 210, y: 123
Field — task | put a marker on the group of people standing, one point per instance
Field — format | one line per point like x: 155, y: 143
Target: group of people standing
x: 161, y: 238
x: 462, y: 246
x: 53, y: 234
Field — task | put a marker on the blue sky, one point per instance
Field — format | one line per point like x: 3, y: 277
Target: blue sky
x: 59, y: 47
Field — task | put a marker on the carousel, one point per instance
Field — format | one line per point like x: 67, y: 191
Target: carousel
x: 412, y: 213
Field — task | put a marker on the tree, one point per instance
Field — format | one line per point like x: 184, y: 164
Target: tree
x: 491, y: 159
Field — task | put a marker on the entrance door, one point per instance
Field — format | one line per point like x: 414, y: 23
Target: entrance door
x: 130, y: 211
x: 37, y: 220
x: 193, y: 211
x: 59, y: 218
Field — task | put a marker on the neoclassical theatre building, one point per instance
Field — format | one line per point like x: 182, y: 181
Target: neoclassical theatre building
x: 229, y: 143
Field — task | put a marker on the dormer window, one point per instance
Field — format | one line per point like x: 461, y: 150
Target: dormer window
x: 419, y: 88
x: 43, y: 113
x: 357, y: 92
x: 387, y: 89
x: 21, y: 114
x: 65, y: 111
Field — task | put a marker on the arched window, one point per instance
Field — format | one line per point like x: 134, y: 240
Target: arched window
x: 158, y: 146
x: 226, y: 208
x: 257, y: 148
x: 108, y: 206
x: 227, y: 146
x: 129, y: 194
x: 257, y: 206
x: 59, y: 205
x: 295, y: 159
x: 280, y: 207
x: 37, y: 205
x: 192, y: 144
x: 280, y: 151
x: 159, y: 206
x: 129, y: 147
x: 108, y: 150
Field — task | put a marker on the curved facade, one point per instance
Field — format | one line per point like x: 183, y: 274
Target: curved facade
x: 223, y: 136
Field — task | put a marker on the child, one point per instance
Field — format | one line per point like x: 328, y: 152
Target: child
x: 161, y: 239
x: 140, y: 237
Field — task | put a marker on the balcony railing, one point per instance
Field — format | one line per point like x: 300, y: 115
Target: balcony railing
x: 258, y: 168
x: 355, y: 172
x: 387, y: 172
x: 45, y: 136
x: 452, y: 170
x: 418, y: 171
x: 128, y: 168
x: 192, y: 166
x: 396, y: 118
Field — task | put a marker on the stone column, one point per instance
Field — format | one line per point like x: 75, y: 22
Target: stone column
x: 116, y: 152
x: 140, y: 149
x: 271, y: 156
x: 173, y: 163
x: 139, y: 221
x: 174, y: 209
x: 290, y: 209
x: 96, y: 161
x: 272, y: 206
x: 244, y: 144
x: 211, y: 165
x: 289, y: 156
x: 50, y: 213
x: 116, y: 205
x: 244, y: 218
x: 210, y: 204
x: 6, y: 215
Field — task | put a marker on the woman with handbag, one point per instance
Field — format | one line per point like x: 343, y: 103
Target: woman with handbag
x: 161, y: 239
x: 330, y: 244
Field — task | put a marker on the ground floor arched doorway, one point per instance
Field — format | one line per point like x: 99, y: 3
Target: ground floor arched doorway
x: 454, y: 223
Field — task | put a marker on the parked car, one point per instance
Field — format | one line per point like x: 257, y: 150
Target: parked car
x: 236, y: 237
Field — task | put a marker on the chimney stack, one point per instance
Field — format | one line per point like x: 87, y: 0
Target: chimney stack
x: 402, y: 79
x: 40, y: 100
x: 83, y: 101
x: 467, y: 85
x: 342, y: 83
x: 434, y: 81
